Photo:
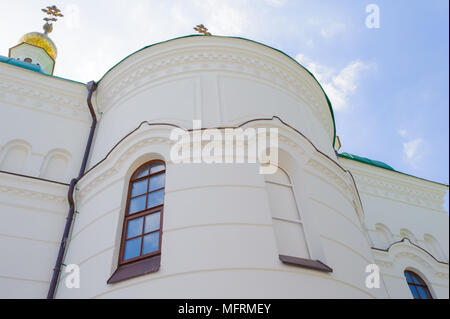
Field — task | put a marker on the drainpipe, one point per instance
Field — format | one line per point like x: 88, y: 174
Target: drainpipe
x: 91, y: 86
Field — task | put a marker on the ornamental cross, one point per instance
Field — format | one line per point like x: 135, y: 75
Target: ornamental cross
x: 52, y: 13
x: 202, y: 29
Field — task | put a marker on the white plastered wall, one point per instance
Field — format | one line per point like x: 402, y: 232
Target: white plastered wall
x: 218, y: 239
x: 399, y: 206
x: 41, y: 117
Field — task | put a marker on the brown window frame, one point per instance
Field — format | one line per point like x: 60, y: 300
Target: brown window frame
x: 146, y: 212
x: 422, y: 284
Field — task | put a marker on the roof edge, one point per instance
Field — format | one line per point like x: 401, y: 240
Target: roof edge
x: 33, y: 67
x: 391, y: 170
x: 240, y: 38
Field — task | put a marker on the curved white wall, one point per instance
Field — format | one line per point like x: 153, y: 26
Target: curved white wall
x: 221, y: 81
x: 217, y: 227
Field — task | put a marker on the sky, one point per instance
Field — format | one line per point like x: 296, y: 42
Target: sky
x: 389, y: 86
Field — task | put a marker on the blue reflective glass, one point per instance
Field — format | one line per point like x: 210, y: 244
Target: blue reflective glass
x: 408, y: 277
x: 156, y: 182
x: 137, y: 204
x: 416, y: 279
x: 155, y: 198
x: 414, y: 291
x: 143, y: 171
x: 423, y: 294
x: 139, y: 188
x: 132, y: 248
x: 135, y: 227
x: 156, y: 167
x: 151, y: 243
x: 152, y: 222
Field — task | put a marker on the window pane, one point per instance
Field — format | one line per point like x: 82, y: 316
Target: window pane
x: 408, y: 277
x: 132, y: 248
x: 151, y: 243
x: 152, y: 222
x: 414, y: 291
x: 416, y: 279
x: 422, y: 293
x: 135, y: 227
x: 143, y: 171
x: 155, y: 198
x: 156, y: 167
x: 156, y: 182
x: 139, y: 188
x: 137, y: 204
x: 290, y: 238
x: 282, y: 202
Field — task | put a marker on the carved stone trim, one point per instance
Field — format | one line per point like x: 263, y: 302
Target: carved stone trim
x: 200, y: 58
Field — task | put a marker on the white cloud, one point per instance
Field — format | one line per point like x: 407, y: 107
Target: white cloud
x: 402, y: 132
x: 94, y: 35
x: 327, y: 29
x: 331, y: 30
x: 72, y: 16
x: 276, y: 3
x: 223, y: 17
x: 413, y: 151
x: 338, y: 84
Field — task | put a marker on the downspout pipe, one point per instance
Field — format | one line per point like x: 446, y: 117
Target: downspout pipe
x: 91, y: 86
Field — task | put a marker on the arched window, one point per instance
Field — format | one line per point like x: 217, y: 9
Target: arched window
x: 141, y: 235
x: 288, y: 223
x: 140, y: 249
x: 418, y: 287
x: 286, y: 218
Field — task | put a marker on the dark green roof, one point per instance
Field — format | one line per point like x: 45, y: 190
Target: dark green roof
x: 380, y: 164
x: 366, y: 160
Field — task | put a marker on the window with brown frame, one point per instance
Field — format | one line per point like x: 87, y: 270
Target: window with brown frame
x: 140, y: 247
x: 418, y: 287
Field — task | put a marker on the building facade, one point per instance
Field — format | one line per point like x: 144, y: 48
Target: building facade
x: 145, y: 226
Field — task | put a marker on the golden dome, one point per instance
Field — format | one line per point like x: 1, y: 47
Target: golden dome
x: 40, y: 40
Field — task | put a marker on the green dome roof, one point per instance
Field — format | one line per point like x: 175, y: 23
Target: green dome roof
x: 366, y: 161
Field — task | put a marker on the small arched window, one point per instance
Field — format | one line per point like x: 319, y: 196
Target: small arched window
x: 286, y: 218
x: 418, y: 287
x: 141, y: 235
x: 140, y: 248
x: 288, y: 223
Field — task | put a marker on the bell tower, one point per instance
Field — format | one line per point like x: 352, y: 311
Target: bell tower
x: 36, y: 47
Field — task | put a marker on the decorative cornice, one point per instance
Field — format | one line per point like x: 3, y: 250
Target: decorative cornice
x: 406, y: 240
x: 152, y: 68
x: 114, y: 169
x: 388, y: 258
x: 390, y: 189
x: 31, y: 194
x: 55, y: 100
x: 337, y: 178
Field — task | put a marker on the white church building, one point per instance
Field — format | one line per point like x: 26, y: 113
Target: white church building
x: 93, y: 205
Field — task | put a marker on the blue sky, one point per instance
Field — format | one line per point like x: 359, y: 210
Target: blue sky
x: 388, y: 86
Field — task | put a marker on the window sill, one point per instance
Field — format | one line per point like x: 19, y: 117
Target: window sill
x: 305, y: 263
x: 135, y: 269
